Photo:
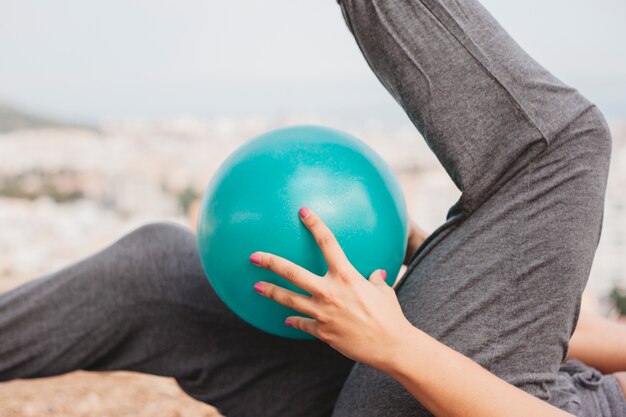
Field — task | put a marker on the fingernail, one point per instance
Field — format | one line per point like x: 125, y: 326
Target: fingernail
x: 288, y: 322
x: 305, y: 212
x: 259, y: 287
x: 383, y: 273
x: 255, y: 258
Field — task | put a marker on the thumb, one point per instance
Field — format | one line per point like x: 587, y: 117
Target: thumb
x: 378, y: 277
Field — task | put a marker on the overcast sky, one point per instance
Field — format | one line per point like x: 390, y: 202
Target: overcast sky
x: 125, y: 59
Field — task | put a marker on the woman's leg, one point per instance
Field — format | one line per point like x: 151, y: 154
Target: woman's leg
x: 144, y: 304
x: 501, y: 281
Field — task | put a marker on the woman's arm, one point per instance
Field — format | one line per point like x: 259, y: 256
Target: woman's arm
x: 450, y: 384
x: 600, y: 343
x: 416, y: 237
x: 364, y: 321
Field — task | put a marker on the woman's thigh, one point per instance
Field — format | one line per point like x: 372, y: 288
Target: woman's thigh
x: 224, y: 361
x: 503, y: 284
x: 144, y: 304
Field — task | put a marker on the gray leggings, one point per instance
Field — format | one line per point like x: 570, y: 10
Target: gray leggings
x: 500, y: 281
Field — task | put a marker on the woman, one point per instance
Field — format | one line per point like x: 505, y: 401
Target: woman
x: 481, y: 320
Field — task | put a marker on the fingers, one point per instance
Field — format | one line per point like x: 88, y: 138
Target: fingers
x: 378, y: 277
x: 335, y: 258
x: 289, y: 299
x: 302, y: 323
x: 294, y: 301
x: 293, y: 273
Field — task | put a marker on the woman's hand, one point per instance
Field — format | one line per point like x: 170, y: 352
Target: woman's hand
x: 361, y: 319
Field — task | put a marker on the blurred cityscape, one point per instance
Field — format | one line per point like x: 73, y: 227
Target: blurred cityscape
x: 68, y: 191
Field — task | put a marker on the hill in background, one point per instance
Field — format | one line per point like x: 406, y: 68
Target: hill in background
x: 12, y: 119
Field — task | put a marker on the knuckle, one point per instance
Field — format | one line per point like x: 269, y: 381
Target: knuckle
x: 324, y: 240
x: 345, y: 276
x: 289, y: 300
x: 335, y: 303
x: 270, y: 261
x: 329, y: 300
x: 323, y: 334
x: 269, y: 291
x: 325, y: 295
x: 313, y: 221
x: 290, y: 274
x: 322, y: 318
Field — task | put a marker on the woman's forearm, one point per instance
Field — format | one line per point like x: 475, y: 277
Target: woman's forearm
x: 450, y: 384
x: 608, y: 356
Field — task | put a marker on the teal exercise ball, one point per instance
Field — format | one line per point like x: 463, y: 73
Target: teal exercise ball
x: 251, y: 204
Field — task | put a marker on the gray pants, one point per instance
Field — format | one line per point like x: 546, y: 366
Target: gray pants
x: 500, y: 281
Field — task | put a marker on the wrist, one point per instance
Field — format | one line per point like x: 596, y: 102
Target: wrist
x: 402, y: 345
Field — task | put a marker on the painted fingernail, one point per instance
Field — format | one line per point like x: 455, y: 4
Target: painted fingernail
x: 288, y: 322
x: 383, y: 273
x: 305, y: 212
x: 259, y: 287
x: 255, y: 258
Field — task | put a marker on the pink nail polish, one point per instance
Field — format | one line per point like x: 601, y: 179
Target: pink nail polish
x: 383, y: 273
x: 288, y: 322
x: 255, y: 258
x: 259, y: 287
x: 305, y: 212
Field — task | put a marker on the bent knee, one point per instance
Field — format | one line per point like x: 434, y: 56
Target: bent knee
x: 155, y: 240
x: 158, y: 232
x: 161, y: 243
x: 155, y: 255
x: 598, y: 130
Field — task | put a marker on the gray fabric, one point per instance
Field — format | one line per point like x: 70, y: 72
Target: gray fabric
x: 144, y: 304
x: 500, y: 281
x: 577, y: 386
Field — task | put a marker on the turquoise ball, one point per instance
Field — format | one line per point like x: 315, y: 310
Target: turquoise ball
x: 251, y: 204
